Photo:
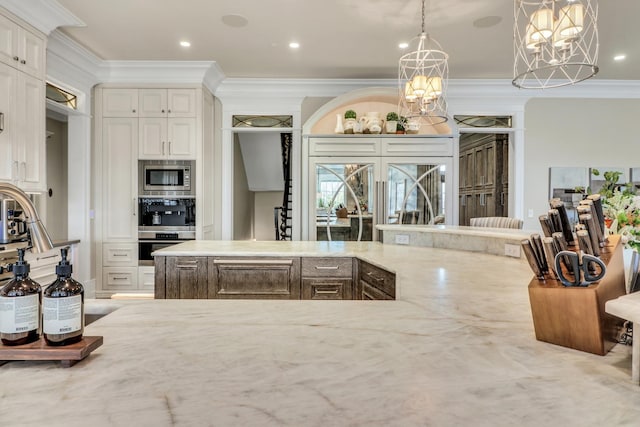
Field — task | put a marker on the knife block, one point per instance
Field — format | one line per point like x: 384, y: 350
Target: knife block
x: 574, y: 317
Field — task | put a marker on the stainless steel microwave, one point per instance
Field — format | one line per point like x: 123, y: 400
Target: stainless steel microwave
x: 166, y: 177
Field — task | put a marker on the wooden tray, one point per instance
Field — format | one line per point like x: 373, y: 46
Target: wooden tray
x: 68, y: 355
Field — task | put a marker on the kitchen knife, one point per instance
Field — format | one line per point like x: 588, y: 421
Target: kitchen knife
x: 597, y: 203
x: 538, y: 250
x: 564, y: 218
x: 588, y: 221
x: 550, y: 252
x: 554, y: 217
x: 547, y: 226
x: 594, y: 215
x: 584, y: 242
x: 561, y: 245
x: 527, y: 248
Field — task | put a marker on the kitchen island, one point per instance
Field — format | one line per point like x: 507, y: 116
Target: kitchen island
x: 456, y: 347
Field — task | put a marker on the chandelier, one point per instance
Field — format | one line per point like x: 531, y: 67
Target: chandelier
x: 555, y: 42
x: 422, y: 80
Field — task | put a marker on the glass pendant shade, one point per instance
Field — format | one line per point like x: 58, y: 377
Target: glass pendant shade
x: 555, y: 42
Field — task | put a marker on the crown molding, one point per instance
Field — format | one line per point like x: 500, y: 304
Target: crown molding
x: 180, y: 72
x: 44, y: 15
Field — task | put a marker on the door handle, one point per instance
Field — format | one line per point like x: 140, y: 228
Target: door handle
x: 1, y: 122
x: 163, y: 147
x: 135, y: 207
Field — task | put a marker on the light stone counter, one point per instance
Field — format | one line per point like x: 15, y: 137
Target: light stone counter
x: 456, y: 349
x: 495, y: 241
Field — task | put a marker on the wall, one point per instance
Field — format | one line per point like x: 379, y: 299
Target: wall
x: 264, y: 202
x: 242, y: 197
x: 55, y: 217
x: 575, y: 133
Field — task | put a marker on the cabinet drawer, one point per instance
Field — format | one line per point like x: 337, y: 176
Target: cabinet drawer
x: 406, y: 146
x: 378, y: 278
x: 327, y: 267
x: 146, y: 278
x: 371, y: 293
x: 327, y: 288
x: 360, y: 146
x: 119, y: 279
x: 120, y: 254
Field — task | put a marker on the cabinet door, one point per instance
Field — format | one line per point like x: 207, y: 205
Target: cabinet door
x: 119, y: 180
x: 7, y: 120
x: 8, y: 41
x: 186, y: 277
x: 31, y: 113
x: 31, y: 51
x: 181, y: 138
x: 120, y: 102
x: 153, y: 138
x: 181, y: 102
x: 479, y: 167
x: 491, y: 158
x: 152, y: 102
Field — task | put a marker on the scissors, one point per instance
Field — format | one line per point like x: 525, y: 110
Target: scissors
x: 581, y: 267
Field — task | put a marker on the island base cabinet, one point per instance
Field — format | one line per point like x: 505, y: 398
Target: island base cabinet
x: 184, y: 277
x: 254, y: 278
x: 326, y: 288
x: 375, y: 283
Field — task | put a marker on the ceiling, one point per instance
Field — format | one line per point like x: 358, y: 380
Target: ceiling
x: 338, y: 38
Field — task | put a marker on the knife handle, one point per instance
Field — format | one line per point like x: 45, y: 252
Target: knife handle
x: 550, y: 252
x: 587, y: 220
x: 547, y: 226
x: 531, y: 258
x: 564, y: 220
x: 538, y: 250
x: 554, y: 217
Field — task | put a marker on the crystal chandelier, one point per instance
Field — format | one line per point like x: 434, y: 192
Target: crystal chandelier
x: 555, y: 42
x: 422, y: 80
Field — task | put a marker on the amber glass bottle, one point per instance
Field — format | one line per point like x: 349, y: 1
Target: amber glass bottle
x: 20, y: 306
x: 63, y: 307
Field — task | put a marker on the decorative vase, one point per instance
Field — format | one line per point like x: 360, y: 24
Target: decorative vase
x: 391, y: 126
x: 339, y: 128
x: 349, y: 125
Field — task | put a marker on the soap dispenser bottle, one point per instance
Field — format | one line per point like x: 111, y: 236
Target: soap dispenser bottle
x: 20, y: 306
x: 63, y: 307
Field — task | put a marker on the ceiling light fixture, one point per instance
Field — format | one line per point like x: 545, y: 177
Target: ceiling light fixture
x: 619, y: 57
x: 555, y: 42
x: 294, y: 45
x: 185, y: 43
x: 403, y: 45
x: 422, y: 80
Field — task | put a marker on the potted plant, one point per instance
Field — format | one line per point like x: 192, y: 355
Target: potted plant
x: 349, y: 121
x: 392, y: 122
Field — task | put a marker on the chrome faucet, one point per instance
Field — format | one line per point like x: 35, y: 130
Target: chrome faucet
x: 40, y: 240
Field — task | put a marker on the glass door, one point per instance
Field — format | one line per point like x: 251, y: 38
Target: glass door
x: 345, y: 199
x: 417, y: 191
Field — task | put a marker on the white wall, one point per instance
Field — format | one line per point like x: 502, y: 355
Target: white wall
x: 263, y: 223
x: 242, y: 198
x: 575, y: 133
x: 56, y: 212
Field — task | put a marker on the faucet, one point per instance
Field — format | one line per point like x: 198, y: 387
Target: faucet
x: 40, y: 240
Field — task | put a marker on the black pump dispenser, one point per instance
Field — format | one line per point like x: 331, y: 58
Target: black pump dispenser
x: 20, y: 298
x: 63, y: 306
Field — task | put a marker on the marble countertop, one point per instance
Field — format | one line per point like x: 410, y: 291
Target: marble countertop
x: 461, y: 229
x: 456, y: 348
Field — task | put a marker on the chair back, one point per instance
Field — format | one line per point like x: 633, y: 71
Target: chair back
x: 497, y: 222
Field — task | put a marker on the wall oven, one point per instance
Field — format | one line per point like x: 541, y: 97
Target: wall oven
x: 166, y: 177
x: 164, y: 222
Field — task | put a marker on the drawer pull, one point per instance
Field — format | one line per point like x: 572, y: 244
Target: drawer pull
x: 323, y: 292
x: 377, y: 279
x: 189, y: 266
x: 334, y: 267
x: 119, y: 278
x: 46, y: 257
x: 254, y: 262
x: 120, y: 254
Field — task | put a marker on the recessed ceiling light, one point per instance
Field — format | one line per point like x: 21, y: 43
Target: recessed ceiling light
x: 403, y: 45
x: 619, y: 57
x: 185, y: 43
x: 294, y: 45
x: 236, y: 21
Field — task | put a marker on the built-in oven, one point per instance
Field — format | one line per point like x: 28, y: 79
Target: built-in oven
x: 166, y: 177
x: 164, y: 222
x: 151, y: 241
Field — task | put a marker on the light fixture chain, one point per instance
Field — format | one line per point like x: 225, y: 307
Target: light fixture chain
x: 423, y: 15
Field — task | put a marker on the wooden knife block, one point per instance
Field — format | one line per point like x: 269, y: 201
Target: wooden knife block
x: 574, y: 317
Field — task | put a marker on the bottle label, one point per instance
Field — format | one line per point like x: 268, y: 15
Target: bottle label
x: 61, y: 315
x: 19, y: 314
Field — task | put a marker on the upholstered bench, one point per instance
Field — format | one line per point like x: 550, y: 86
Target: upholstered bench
x: 628, y: 307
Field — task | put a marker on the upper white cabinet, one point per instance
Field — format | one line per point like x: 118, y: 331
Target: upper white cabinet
x: 120, y: 103
x: 167, y: 102
x: 21, y: 48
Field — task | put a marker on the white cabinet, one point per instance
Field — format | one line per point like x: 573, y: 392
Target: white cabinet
x: 167, y: 102
x: 119, y: 179
x: 21, y: 48
x: 172, y: 139
x: 146, y: 278
x: 167, y: 124
x: 120, y: 103
x: 22, y: 139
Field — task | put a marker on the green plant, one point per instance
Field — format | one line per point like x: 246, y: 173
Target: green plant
x: 392, y: 117
x: 349, y: 114
x: 402, y: 122
x: 611, y: 185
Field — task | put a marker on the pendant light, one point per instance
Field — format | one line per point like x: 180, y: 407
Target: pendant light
x: 555, y: 42
x: 422, y: 80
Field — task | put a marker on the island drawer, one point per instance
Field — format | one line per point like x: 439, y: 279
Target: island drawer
x: 327, y: 267
x: 375, y: 277
x: 327, y: 288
